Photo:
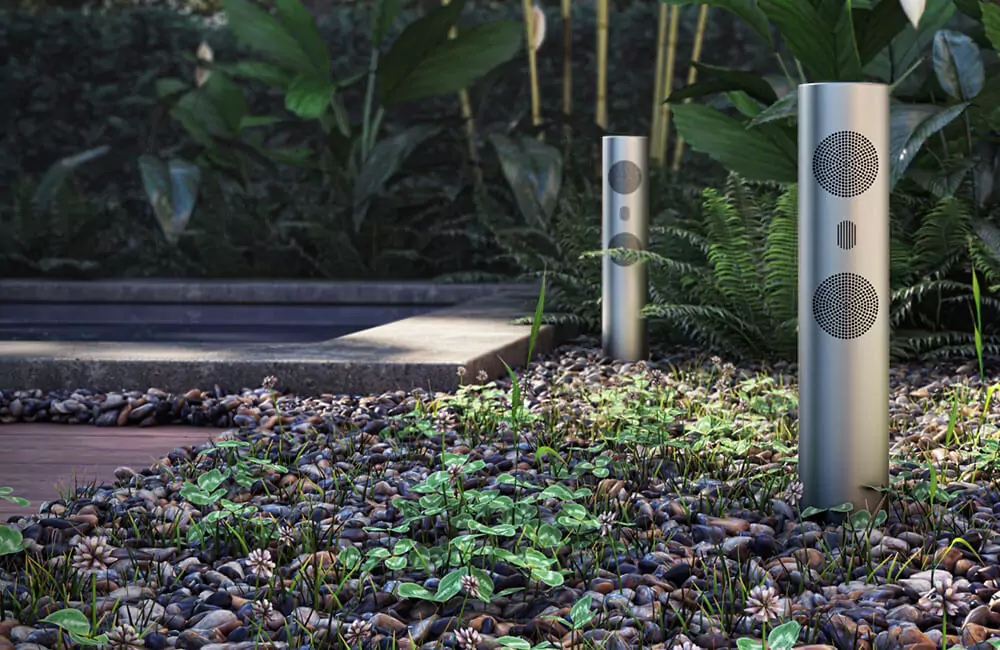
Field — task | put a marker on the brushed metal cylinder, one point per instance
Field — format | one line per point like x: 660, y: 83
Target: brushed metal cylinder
x: 625, y: 215
x: 843, y: 293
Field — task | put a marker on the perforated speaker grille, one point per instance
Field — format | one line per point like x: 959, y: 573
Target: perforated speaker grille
x: 845, y: 164
x: 845, y: 305
x: 624, y: 240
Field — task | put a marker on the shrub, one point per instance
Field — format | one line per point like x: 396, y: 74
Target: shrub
x: 76, y: 81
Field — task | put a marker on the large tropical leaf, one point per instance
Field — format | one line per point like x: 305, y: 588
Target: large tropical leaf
x: 757, y: 154
x: 785, y: 108
x: 720, y: 79
x: 910, y: 126
x: 263, y: 33
x: 300, y: 24
x: 909, y: 45
x: 309, y: 97
x: 384, y: 161
x: 533, y: 170
x: 745, y: 9
x: 456, y: 63
x: 826, y: 47
x: 875, y: 28
x: 958, y: 65
x: 414, y: 44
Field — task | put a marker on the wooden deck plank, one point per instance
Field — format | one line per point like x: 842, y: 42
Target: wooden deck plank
x: 35, y: 459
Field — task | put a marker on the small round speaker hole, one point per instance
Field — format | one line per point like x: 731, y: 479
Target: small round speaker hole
x: 845, y: 305
x: 845, y: 164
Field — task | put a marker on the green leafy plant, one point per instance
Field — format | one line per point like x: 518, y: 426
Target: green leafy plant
x: 75, y: 623
x: 783, y: 637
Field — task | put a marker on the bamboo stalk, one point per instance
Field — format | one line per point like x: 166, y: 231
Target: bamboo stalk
x: 668, y: 84
x: 699, y: 37
x: 529, y: 28
x: 661, y: 53
x: 567, y: 17
x: 601, y: 114
x: 470, y: 122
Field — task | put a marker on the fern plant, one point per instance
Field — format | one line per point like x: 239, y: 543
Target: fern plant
x: 726, y: 277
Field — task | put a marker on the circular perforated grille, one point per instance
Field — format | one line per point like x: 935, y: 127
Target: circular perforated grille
x: 624, y: 240
x: 625, y: 177
x: 845, y: 164
x: 845, y: 305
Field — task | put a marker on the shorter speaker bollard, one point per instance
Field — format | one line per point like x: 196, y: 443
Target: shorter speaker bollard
x: 625, y: 216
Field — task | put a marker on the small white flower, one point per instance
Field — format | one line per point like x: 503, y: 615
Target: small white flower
x: 537, y: 27
x: 468, y: 638
x: 205, y: 54
x: 606, y: 522
x: 357, y: 632
x: 260, y: 563
x: 93, y: 554
x: 471, y: 585
x: 914, y: 9
x: 124, y: 637
x: 764, y: 604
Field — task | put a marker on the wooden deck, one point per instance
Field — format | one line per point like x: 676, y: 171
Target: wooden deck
x: 38, y: 460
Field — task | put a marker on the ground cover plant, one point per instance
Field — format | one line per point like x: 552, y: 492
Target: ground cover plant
x: 579, y: 502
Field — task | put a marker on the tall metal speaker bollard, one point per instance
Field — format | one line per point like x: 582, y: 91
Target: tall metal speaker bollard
x: 625, y: 175
x: 843, y: 293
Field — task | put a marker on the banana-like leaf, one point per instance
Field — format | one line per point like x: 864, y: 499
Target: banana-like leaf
x: 300, y: 24
x: 533, y: 170
x: 910, y: 126
x: 263, y: 33
x: 876, y: 27
x: 958, y: 65
x: 384, y: 161
x: 414, y: 44
x: 823, y: 42
x: 764, y: 153
x: 456, y: 63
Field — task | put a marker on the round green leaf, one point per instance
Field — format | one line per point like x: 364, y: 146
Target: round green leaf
x: 11, y: 541
x: 71, y: 620
x: 413, y: 590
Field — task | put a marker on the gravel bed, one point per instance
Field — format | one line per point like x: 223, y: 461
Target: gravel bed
x: 644, y: 505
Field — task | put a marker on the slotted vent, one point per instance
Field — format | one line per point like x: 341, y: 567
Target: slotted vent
x: 845, y: 305
x: 847, y: 235
x: 845, y: 164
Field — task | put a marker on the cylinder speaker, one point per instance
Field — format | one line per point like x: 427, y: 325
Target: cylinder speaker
x: 843, y: 293
x: 625, y: 224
